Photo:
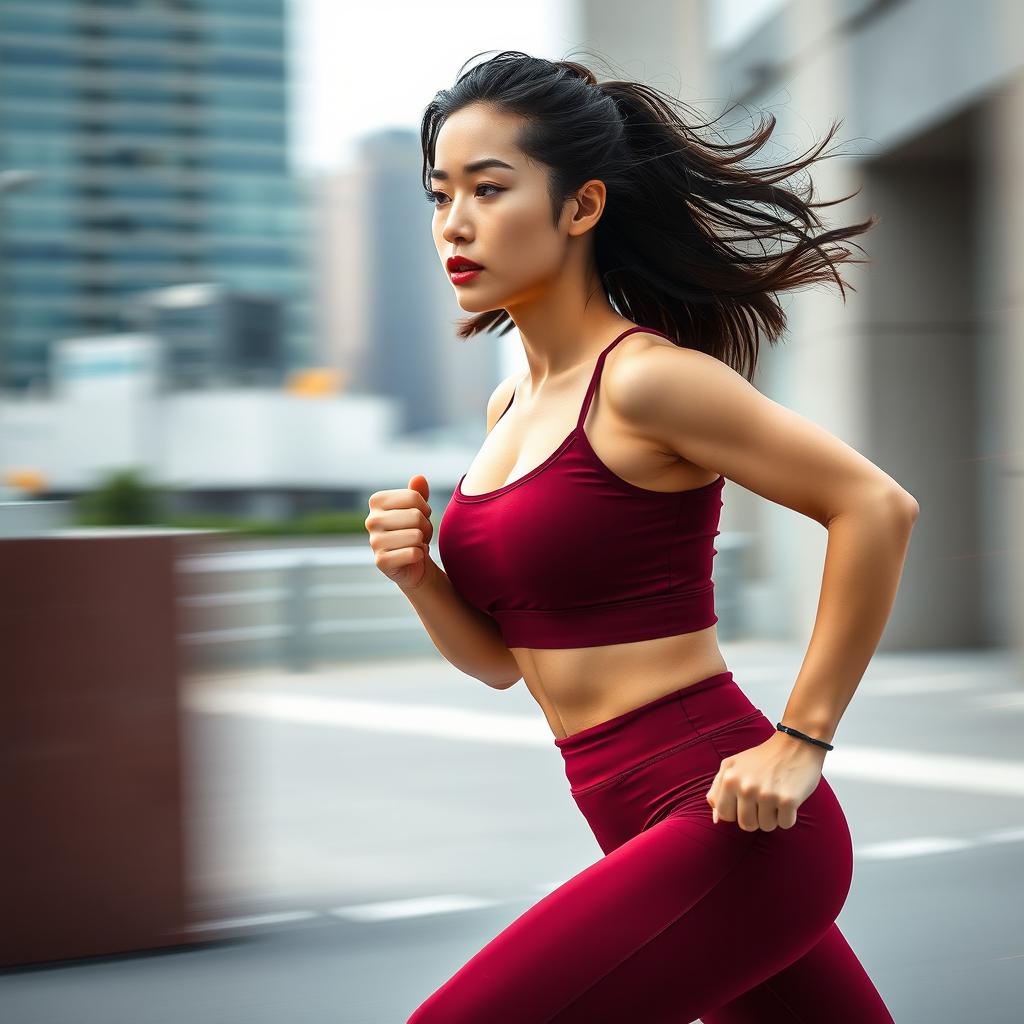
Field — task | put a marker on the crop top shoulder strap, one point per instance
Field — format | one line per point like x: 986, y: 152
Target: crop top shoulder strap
x: 594, y: 377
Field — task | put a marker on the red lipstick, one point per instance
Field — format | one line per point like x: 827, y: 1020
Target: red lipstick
x: 462, y: 269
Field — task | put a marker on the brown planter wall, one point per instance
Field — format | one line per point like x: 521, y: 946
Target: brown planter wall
x: 93, y: 850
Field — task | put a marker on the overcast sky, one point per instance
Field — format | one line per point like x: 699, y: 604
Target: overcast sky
x: 363, y: 66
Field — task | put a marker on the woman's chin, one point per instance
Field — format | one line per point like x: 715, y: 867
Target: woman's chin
x: 470, y: 304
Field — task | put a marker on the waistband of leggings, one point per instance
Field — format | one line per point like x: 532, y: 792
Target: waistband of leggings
x: 686, y: 715
x: 578, y: 739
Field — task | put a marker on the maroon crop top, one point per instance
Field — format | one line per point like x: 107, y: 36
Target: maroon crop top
x: 572, y: 555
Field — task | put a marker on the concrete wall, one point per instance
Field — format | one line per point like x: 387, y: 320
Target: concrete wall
x: 921, y: 368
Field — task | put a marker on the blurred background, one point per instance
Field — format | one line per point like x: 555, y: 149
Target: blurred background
x: 240, y: 782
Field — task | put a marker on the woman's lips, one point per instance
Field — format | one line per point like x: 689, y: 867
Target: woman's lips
x: 465, y: 276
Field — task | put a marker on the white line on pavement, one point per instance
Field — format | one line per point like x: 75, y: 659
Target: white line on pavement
x: 252, y: 920
x: 1000, y: 700
x: 1004, y: 835
x: 918, y: 769
x: 377, y: 716
x: 923, y: 770
x: 447, y: 903
x: 920, y: 846
x: 389, y: 910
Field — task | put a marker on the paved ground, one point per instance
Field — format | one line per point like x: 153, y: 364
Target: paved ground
x: 363, y: 829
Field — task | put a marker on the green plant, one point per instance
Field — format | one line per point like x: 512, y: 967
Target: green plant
x: 122, y: 498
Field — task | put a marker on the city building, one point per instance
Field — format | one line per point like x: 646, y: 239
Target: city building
x: 156, y: 134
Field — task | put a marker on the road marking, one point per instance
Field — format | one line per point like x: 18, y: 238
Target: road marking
x: 1000, y: 700
x: 958, y: 772
x: 252, y: 921
x: 920, y: 846
x: 377, y: 716
x: 1004, y: 835
x: 448, y: 903
x: 919, y: 769
x: 390, y: 910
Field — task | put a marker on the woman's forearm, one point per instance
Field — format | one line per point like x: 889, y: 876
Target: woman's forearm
x: 864, y: 560
x: 465, y: 636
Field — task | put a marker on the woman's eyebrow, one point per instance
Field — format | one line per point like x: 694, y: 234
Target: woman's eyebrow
x: 476, y: 165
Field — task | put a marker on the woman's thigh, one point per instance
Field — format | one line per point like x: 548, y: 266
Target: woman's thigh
x: 826, y: 983
x: 675, y: 921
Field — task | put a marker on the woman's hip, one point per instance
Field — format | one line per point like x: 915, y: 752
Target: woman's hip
x: 680, y: 727
x: 658, y: 762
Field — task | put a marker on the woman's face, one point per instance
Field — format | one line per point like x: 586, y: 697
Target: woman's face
x: 497, y: 216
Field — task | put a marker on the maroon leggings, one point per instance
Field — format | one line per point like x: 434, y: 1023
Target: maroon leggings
x: 683, y: 918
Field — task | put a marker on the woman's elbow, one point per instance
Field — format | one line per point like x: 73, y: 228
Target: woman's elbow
x: 504, y: 677
x: 908, y: 504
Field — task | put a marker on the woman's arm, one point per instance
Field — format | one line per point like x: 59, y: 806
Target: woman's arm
x: 467, y: 637
x: 711, y: 415
x: 464, y: 635
x: 864, y: 559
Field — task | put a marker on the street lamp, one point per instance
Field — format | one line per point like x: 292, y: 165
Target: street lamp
x: 11, y: 180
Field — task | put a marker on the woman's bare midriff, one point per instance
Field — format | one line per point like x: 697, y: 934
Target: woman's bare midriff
x: 579, y: 687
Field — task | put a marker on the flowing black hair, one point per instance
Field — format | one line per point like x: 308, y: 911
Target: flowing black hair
x: 678, y: 202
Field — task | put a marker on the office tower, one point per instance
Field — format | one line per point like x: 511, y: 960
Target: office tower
x: 156, y: 133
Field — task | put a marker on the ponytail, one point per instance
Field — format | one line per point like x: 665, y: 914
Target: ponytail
x: 692, y: 240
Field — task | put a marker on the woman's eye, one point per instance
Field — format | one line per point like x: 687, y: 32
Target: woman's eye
x: 437, y: 198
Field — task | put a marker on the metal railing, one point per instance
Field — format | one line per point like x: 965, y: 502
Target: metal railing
x: 280, y: 613
x: 290, y: 605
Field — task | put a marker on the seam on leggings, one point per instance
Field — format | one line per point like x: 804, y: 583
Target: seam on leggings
x: 597, y: 981
x: 692, y: 741
x: 710, y: 736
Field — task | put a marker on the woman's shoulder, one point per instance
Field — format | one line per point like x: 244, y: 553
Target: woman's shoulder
x: 652, y: 372
x: 500, y: 398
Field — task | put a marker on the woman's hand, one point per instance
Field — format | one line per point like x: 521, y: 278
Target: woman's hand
x: 400, y: 531
x: 765, y: 785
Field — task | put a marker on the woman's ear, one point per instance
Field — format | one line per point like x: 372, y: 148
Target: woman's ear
x: 590, y: 199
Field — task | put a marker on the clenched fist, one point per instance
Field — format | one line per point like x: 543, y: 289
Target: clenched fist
x: 400, y: 531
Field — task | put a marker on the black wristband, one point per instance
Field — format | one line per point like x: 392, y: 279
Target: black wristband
x: 803, y: 736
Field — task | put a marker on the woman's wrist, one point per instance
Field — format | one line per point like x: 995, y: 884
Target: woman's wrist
x: 802, y: 737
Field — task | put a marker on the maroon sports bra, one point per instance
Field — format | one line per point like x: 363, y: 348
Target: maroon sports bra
x: 572, y: 555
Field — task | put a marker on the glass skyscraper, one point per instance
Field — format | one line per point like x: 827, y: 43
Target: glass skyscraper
x: 157, y: 134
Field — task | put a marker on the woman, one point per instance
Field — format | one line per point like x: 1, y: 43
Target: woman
x: 581, y: 562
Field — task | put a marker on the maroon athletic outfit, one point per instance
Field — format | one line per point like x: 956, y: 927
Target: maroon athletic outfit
x: 682, y: 918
